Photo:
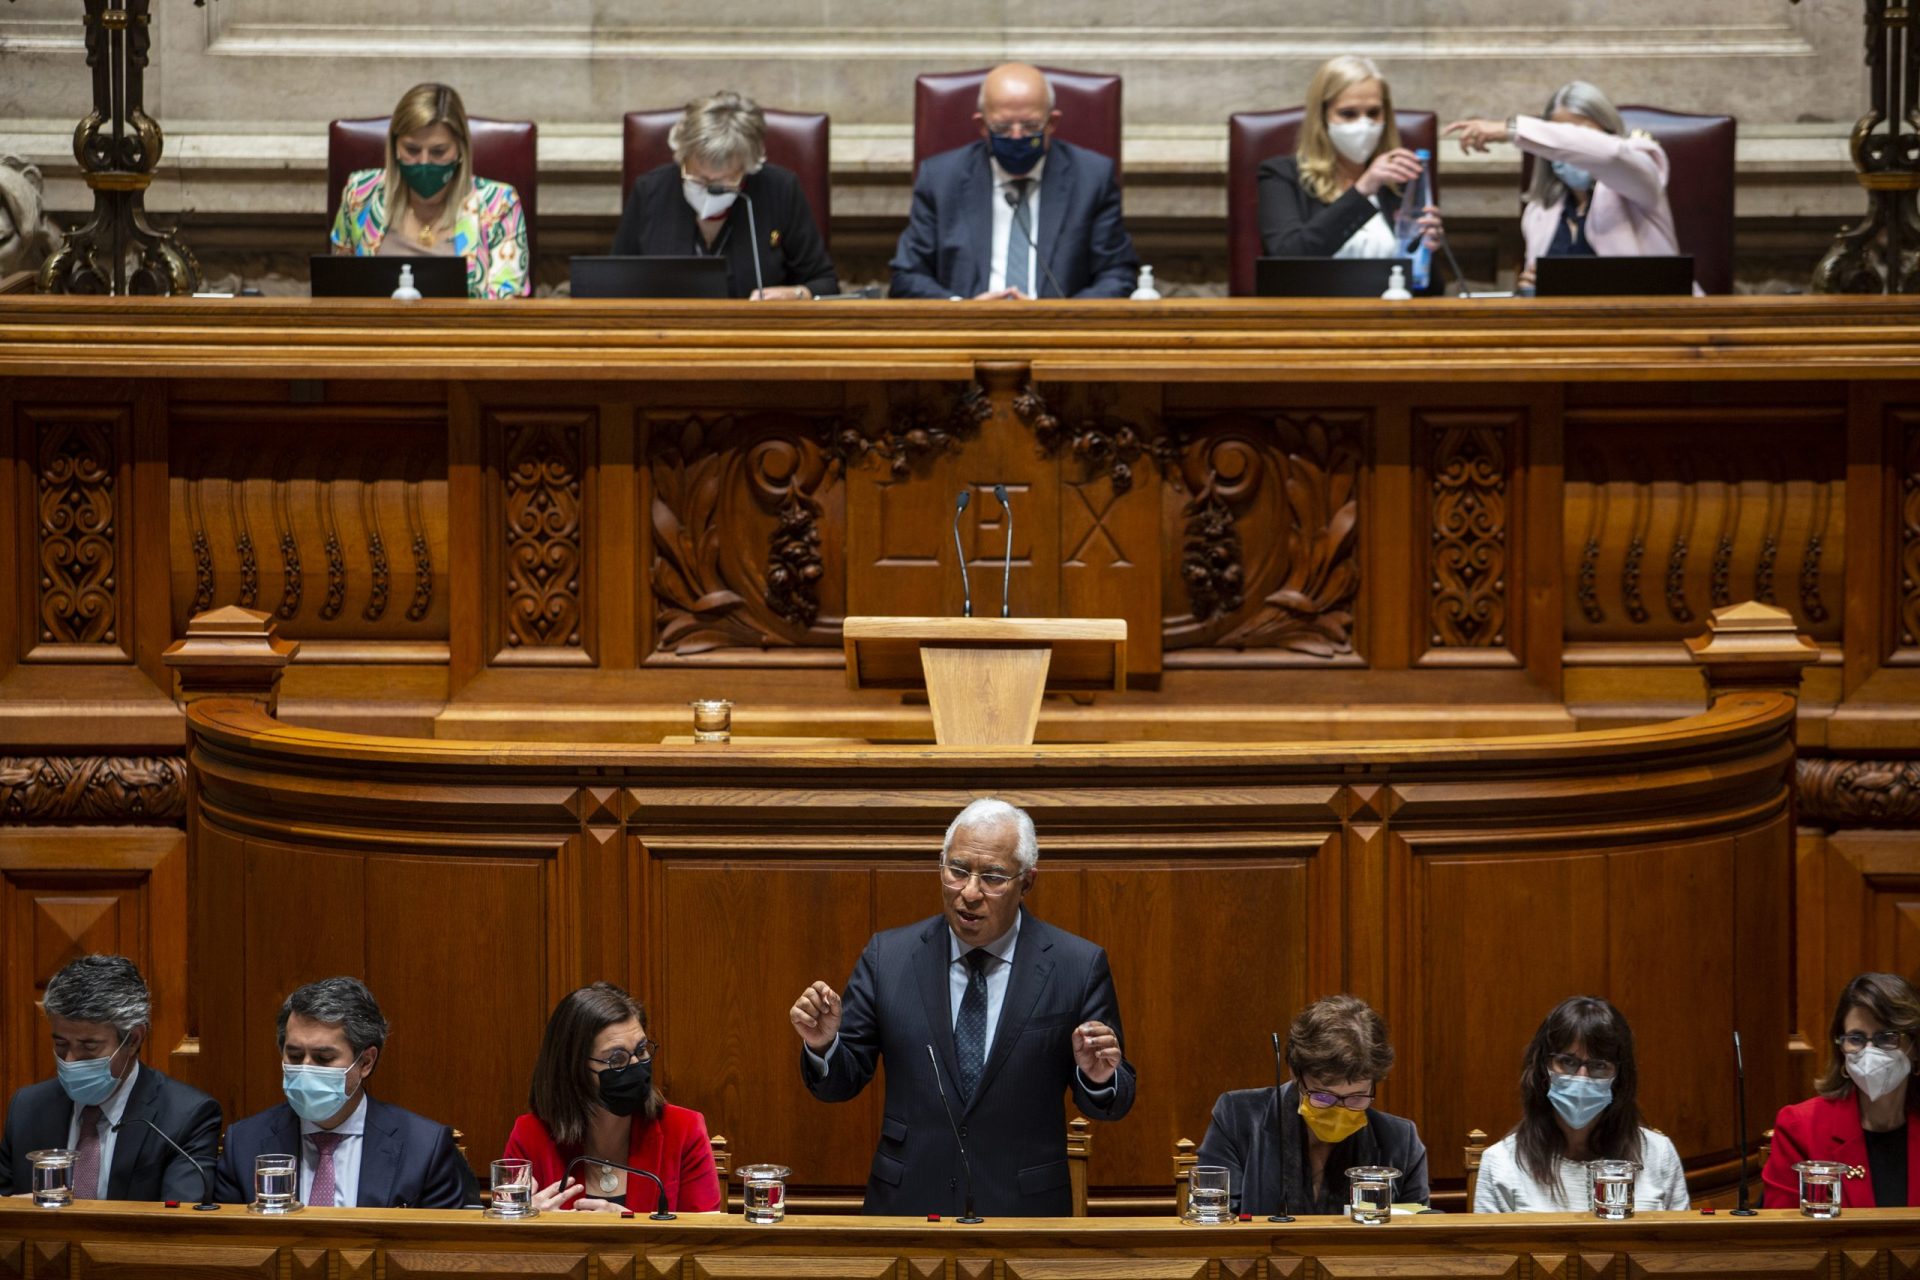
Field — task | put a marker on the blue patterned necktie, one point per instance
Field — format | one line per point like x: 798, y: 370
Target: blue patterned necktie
x: 1019, y: 273
x: 970, y: 1029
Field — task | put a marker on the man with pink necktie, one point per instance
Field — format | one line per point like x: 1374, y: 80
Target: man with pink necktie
x: 103, y: 1104
x: 355, y: 1151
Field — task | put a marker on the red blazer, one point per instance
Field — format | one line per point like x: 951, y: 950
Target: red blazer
x: 1822, y: 1129
x: 675, y: 1146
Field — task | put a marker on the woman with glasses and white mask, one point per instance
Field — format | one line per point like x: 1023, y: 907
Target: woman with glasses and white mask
x: 593, y: 1095
x: 1338, y: 194
x: 696, y: 206
x: 1862, y: 1114
x: 1577, y: 1105
x: 1289, y: 1149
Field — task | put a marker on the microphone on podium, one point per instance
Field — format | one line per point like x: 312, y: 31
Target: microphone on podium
x: 1006, y: 559
x: 967, y: 1216
x: 1018, y: 203
x: 960, y: 502
x: 1740, y: 1084
x: 207, y: 1202
x: 1283, y: 1215
x: 660, y: 1211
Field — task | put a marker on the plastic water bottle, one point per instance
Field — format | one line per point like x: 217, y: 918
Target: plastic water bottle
x: 1396, y: 286
x: 1406, y: 223
x: 1144, y: 291
x: 406, y: 292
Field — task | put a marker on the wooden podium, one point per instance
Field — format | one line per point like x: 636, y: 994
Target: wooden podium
x: 985, y: 676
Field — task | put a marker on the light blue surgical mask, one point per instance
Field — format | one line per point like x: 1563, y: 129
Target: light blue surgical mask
x: 316, y: 1094
x: 1579, y: 1099
x: 1575, y: 178
x: 89, y: 1082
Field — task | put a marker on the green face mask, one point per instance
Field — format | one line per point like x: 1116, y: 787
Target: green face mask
x: 429, y: 180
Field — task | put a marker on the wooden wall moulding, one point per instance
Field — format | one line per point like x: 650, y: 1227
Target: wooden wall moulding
x: 80, y: 607
x: 1472, y: 462
x: 542, y: 592
x: 1905, y: 424
x: 93, y: 789
x: 1833, y: 792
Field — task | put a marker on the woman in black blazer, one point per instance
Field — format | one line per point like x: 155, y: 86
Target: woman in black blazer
x: 694, y: 206
x: 1337, y: 195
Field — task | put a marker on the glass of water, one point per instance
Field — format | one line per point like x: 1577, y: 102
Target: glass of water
x: 1371, y: 1200
x: 712, y: 720
x: 1613, y: 1189
x: 1209, y: 1194
x: 1820, y: 1187
x: 52, y: 1177
x: 766, y: 1191
x: 276, y: 1184
x: 512, y: 1190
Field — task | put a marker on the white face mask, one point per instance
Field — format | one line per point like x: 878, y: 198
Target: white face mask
x: 1356, y: 139
x: 705, y: 203
x: 1878, y: 1072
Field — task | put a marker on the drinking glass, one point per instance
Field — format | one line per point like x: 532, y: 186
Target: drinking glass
x: 1209, y: 1194
x: 1371, y: 1201
x: 52, y: 1177
x: 1613, y: 1189
x: 511, y: 1192
x: 1820, y: 1187
x: 712, y: 720
x: 276, y: 1184
x: 766, y: 1191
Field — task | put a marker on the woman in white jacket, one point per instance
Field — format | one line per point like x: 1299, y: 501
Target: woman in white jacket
x: 1597, y: 191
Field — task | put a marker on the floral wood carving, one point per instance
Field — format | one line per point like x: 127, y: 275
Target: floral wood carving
x: 1102, y: 444
x: 78, y: 533
x: 1909, y: 594
x: 544, y: 529
x: 1877, y: 793
x: 1271, y: 556
x: 93, y: 788
x: 919, y: 427
x: 1468, y: 606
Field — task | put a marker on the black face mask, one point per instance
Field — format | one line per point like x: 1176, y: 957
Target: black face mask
x: 625, y: 1091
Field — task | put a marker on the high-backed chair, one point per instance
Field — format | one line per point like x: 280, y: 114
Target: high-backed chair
x: 796, y: 140
x: 1476, y: 1148
x: 503, y: 150
x: 1255, y: 137
x: 944, y: 103
x: 1700, y: 159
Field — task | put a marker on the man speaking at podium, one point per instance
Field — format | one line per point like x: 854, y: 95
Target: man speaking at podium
x: 985, y: 1016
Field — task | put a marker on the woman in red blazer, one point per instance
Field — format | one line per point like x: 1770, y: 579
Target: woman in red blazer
x: 593, y: 1095
x: 1865, y: 1113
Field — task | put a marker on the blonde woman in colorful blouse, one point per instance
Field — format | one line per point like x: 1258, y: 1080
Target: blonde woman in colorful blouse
x: 427, y: 202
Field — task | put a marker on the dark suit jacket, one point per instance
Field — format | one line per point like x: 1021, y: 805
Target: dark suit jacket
x: 659, y: 222
x: 406, y: 1161
x: 947, y: 248
x: 1264, y: 1149
x: 1295, y: 224
x: 144, y: 1166
x: 898, y: 1002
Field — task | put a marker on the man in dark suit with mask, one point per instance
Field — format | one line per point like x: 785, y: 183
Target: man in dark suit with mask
x: 1004, y: 1013
x: 1018, y: 214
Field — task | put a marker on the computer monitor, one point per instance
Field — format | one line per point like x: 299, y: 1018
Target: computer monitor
x: 1327, y: 277
x: 341, y: 277
x: 648, y: 277
x: 1585, y: 277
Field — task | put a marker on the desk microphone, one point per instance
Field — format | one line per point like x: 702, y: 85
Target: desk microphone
x: 1018, y: 204
x: 660, y: 1211
x: 1740, y: 1079
x: 960, y: 502
x: 753, y: 232
x: 207, y: 1202
x: 968, y: 1216
x: 1283, y: 1215
x: 1006, y: 561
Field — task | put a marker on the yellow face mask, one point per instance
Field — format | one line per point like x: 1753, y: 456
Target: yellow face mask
x: 1332, y: 1125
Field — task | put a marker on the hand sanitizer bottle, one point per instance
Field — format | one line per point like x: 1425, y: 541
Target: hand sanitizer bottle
x: 1396, y: 286
x: 1146, y: 292
x: 406, y: 292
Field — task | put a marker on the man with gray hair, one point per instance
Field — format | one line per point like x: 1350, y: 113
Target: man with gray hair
x: 984, y: 1007
x: 102, y: 1104
x: 355, y: 1151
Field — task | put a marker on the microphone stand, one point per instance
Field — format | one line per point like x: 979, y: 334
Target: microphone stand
x: 1006, y: 561
x: 207, y: 1202
x: 966, y: 590
x: 660, y: 1211
x: 1283, y: 1215
x: 753, y: 232
x: 1740, y: 1076
x: 967, y: 1216
x: 1018, y: 204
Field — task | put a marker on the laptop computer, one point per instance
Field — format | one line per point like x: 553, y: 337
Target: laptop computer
x: 648, y: 277
x: 341, y: 277
x: 1326, y: 277
x: 1585, y: 277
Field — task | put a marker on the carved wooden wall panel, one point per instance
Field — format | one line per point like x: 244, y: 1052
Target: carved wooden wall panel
x: 1859, y: 897
x: 539, y: 589
x: 1468, y: 487
x: 76, y: 495
x: 1904, y: 425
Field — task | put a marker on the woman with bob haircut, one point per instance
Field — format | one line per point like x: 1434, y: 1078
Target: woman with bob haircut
x: 1577, y: 1104
x: 593, y: 1095
x: 428, y: 201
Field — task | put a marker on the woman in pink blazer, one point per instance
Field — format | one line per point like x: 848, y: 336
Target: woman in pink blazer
x: 1596, y: 190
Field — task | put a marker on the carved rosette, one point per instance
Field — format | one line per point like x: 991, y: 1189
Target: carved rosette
x: 93, y: 788
x: 77, y: 534
x: 544, y: 532
x: 1468, y: 583
x: 1104, y: 445
x: 1858, y: 793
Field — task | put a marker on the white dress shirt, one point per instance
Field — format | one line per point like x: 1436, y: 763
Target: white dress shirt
x: 1006, y: 235
x: 999, y: 972
x: 1505, y: 1187
x: 346, y: 1157
x: 1374, y: 240
x: 110, y: 1113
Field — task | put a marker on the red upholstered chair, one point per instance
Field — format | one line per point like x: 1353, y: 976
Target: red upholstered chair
x: 796, y: 140
x: 503, y: 150
x: 944, y: 103
x: 1255, y: 137
x: 1700, y: 152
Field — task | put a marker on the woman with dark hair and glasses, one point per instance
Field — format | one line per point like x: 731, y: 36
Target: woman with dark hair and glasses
x: 593, y: 1095
x: 1289, y: 1149
x: 1577, y: 1105
x: 1862, y: 1114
